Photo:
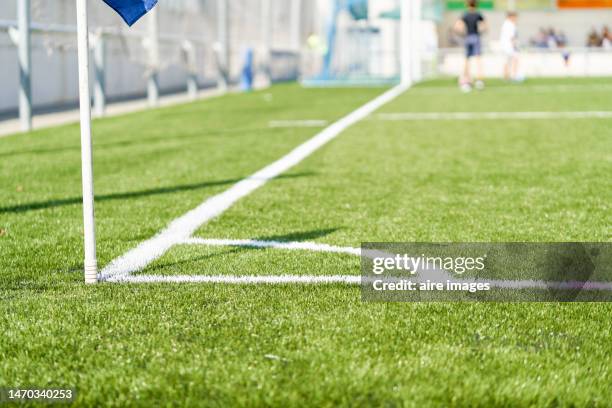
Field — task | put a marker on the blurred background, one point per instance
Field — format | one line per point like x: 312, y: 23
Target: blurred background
x: 192, y: 45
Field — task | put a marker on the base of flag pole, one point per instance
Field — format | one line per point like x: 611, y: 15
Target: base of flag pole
x: 91, y: 273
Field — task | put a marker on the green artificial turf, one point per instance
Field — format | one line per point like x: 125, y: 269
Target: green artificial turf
x: 290, y: 345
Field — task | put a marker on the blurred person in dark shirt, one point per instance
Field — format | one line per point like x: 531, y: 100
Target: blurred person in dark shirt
x: 472, y: 25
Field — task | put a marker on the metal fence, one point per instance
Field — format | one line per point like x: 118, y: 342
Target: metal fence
x: 184, y: 45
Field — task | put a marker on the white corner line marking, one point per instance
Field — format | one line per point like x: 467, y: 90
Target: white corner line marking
x: 183, y: 227
x: 348, y: 280
x: 297, y: 123
x: 413, y: 116
x: 245, y: 280
x: 249, y: 243
x: 333, y: 279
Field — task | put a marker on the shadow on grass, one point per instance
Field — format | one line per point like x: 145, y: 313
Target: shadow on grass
x: 299, y: 236
x: 40, y: 205
x: 181, y: 139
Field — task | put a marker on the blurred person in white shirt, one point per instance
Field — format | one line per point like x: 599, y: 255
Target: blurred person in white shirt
x: 509, y: 44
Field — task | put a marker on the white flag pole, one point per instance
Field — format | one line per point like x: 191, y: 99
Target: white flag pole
x: 91, y: 267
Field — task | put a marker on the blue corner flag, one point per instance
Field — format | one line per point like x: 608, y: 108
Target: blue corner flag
x: 131, y: 10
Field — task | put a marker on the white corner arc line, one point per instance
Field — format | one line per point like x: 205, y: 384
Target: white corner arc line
x: 297, y: 123
x: 249, y: 243
x: 183, y: 227
x: 414, y: 116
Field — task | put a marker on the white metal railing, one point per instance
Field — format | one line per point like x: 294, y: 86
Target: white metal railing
x: 185, y: 56
x: 7, y: 25
x: 98, y: 40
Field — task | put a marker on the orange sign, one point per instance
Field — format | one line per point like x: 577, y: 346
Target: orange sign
x: 584, y: 3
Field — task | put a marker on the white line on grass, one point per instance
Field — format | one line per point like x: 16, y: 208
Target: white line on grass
x: 350, y: 280
x: 297, y: 123
x: 525, y: 89
x: 246, y: 280
x: 407, y: 116
x: 183, y: 227
x: 437, y: 275
x: 248, y: 243
x: 292, y: 246
x: 540, y: 284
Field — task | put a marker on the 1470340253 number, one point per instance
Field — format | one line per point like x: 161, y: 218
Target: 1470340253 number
x: 46, y: 394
